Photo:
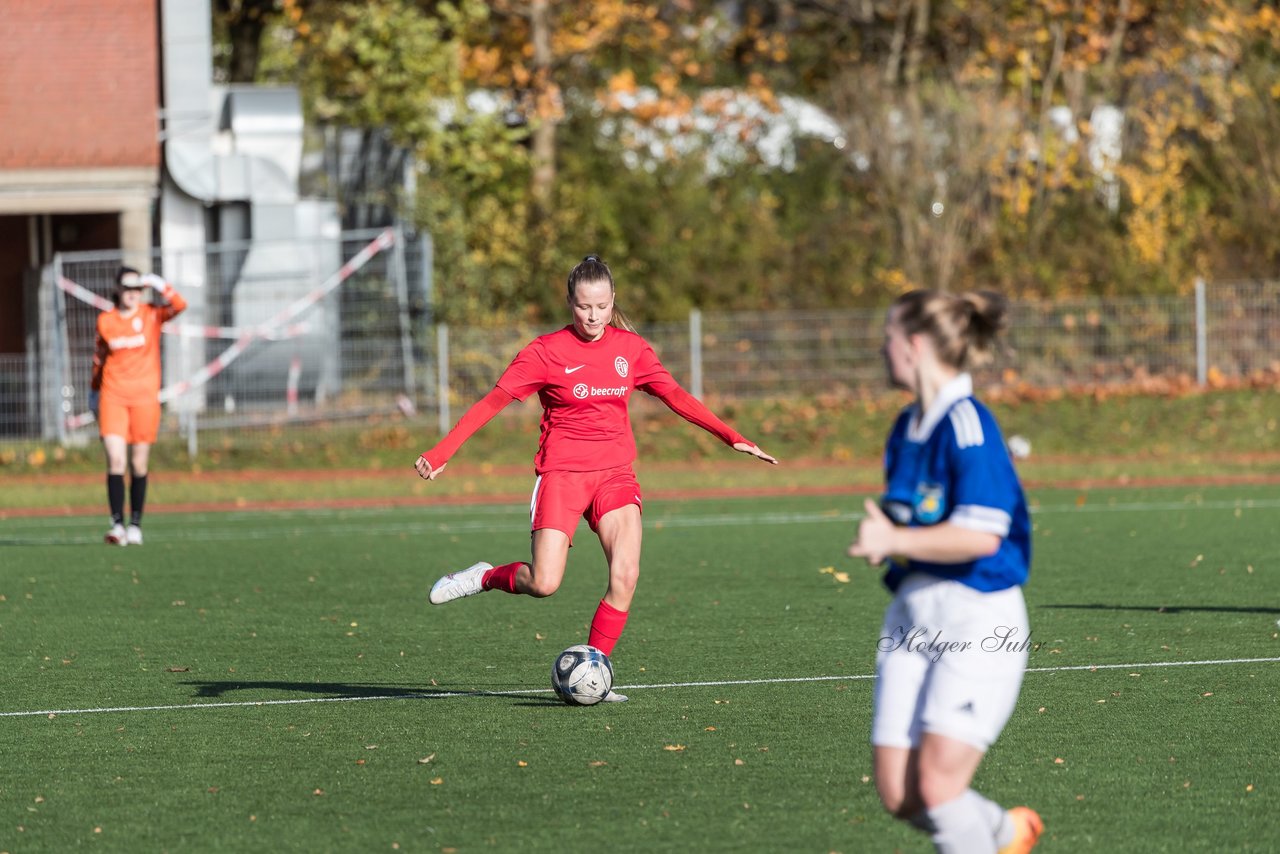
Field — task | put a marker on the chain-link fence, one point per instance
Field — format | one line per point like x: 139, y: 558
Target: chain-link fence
x: 1227, y: 330
x: 274, y: 333
x: 279, y: 336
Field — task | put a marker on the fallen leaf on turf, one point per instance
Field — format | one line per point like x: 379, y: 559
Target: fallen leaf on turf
x: 359, y: 761
x: 1207, y: 694
x: 738, y: 762
x: 1058, y: 760
x: 521, y: 763
x: 318, y: 792
x: 710, y: 729
x: 598, y: 763
x: 538, y: 636
x: 424, y: 760
x: 177, y: 669
x: 1249, y: 788
x: 673, y: 747
x: 371, y: 747
x: 437, y: 781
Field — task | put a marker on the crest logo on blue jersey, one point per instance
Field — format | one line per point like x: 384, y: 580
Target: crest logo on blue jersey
x: 930, y: 503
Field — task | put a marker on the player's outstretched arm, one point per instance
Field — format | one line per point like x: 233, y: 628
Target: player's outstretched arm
x: 425, y: 469
x: 475, y: 418
x: 754, y: 450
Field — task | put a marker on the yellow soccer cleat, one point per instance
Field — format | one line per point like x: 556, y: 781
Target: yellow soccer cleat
x: 1027, y: 827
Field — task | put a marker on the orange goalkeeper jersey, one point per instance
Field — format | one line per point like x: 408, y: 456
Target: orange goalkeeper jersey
x: 126, y: 358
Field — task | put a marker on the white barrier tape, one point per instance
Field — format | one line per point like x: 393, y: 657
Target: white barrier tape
x: 85, y: 295
x: 183, y: 329
x: 84, y: 419
x: 380, y: 243
x: 383, y: 241
x: 291, y: 386
x: 224, y: 332
x: 209, y: 371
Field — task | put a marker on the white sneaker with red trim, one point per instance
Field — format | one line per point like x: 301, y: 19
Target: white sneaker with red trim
x: 464, y: 582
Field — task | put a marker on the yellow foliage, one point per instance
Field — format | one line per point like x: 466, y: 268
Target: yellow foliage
x: 623, y: 81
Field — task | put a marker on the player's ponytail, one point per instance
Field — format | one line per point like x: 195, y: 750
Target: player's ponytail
x: 963, y: 327
x: 593, y: 269
x: 986, y: 312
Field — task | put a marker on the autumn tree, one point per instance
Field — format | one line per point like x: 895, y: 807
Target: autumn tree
x: 1043, y: 146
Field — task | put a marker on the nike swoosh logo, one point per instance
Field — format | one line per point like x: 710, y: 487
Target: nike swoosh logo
x: 571, y: 370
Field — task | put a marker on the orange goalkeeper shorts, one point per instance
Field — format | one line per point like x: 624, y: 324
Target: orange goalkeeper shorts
x: 138, y: 423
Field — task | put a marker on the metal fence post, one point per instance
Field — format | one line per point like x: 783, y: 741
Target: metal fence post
x: 1202, y: 335
x: 442, y: 376
x: 695, y: 353
x: 193, y: 440
x: 60, y: 387
x: 400, y: 273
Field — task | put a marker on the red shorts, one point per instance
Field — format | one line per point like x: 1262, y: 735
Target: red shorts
x: 138, y: 423
x: 561, y: 498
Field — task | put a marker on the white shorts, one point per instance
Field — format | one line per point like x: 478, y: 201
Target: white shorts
x: 950, y: 661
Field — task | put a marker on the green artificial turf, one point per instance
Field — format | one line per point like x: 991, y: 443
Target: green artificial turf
x: 275, y: 681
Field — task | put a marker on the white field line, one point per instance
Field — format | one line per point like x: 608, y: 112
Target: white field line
x: 364, y: 521
x: 525, y: 691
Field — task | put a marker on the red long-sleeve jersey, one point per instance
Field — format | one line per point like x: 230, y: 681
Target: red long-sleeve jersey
x: 584, y: 388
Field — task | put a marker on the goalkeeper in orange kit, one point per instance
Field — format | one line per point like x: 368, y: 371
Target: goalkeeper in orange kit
x: 125, y: 391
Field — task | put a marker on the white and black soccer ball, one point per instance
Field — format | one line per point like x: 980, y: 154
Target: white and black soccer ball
x: 582, y: 675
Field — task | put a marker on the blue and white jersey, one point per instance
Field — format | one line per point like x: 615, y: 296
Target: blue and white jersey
x: 950, y: 464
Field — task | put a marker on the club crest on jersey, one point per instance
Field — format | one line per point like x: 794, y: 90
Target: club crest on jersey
x: 580, y: 391
x: 929, y: 502
x: 620, y: 365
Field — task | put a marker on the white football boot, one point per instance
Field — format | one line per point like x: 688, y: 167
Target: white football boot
x: 614, y: 697
x: 134, y: 535
x: 464, y: 582
x: 116, y: 536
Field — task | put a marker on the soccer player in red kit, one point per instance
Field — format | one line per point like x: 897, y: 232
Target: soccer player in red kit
x: 584, y: 375
x: 125, y: 391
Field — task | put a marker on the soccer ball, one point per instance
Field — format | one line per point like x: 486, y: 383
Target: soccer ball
x: 582, y: 675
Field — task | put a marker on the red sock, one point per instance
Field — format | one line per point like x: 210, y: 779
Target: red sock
x: 502, y: 578
x: 606, y: 627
